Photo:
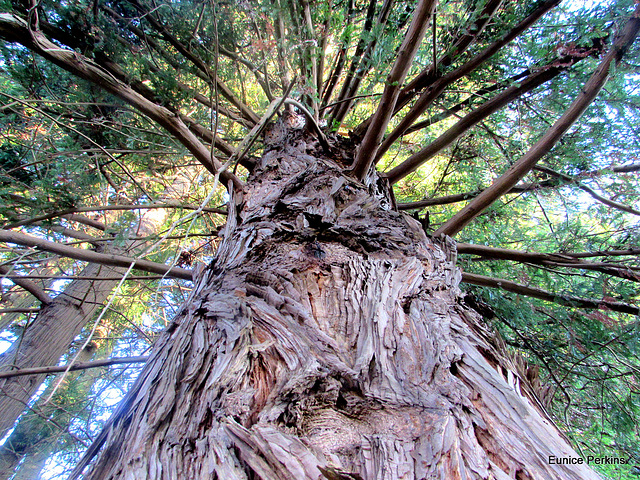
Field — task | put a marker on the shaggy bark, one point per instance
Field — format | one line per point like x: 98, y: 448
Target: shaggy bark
x: 327, y: 340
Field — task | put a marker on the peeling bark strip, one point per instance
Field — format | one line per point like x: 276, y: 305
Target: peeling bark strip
x: 328, y: 340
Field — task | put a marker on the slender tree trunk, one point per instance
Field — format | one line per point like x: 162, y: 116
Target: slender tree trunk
x: 24, y: 453
x: 48, y: 337
x: 31, y: 468
x: 327, y: 340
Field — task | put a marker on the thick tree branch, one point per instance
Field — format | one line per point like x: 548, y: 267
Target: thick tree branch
x: 438, y: 84
x: 18, y: 310
x: 531, y: 82
x: 91, y: 256
x: 470, y: 100
x: 367, y: 151
x: 89, y: 222
x: 517, y: 189
x: 28, y: 285
x: 566, y: 300
x: 104, y: 208
x: 548, y: 259
x: 427, y: 77
x: 551, y: 137
x: 76, y: 366
x: 15, y: 29
x: 605, y: 253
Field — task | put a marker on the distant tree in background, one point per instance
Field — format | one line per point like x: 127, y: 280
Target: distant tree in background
x: 286, y: 196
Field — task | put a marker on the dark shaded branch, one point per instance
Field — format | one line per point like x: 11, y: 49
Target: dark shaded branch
x: 15, y: 29
x: 104, y: 208
x: 548, y: 259
x: 469, y: 35
x: 531, y: 82
x: 279, y: 34
x: 566, y: 300
x: 551, y: 137
x: 72, y: 367
x: 360, y: 63
x: 18, y: 310
x: 605, y: 253
x: 465, y: 103
x: 150, y: 41
x: 522, y: 188
x: 91, y: 256
x: 85, y: 277
x: 590, y: 191
x: 198, y: 62
x: 28, y: 285
x: 367, y: 151
x: 310, y: 62
x: 340, y: 60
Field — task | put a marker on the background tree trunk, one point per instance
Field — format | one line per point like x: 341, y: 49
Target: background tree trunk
x: 24, y: 454
x: 327, y: 340
x: 48, y: 337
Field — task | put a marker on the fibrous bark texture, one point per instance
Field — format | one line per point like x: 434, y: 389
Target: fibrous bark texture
x: 327, y: 340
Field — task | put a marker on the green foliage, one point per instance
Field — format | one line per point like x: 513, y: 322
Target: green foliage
x: 67, y: 144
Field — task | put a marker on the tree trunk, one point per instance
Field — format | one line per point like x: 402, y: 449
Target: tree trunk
x: 327, y: 340
x: 36, y: 434
x: 57, y: 324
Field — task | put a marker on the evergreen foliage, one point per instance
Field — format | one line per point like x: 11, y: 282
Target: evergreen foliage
x: 80, y: 162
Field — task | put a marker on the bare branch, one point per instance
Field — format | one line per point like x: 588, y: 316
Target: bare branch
x: 18, y: 310
x: 91, y: 256
x: 551, y: 137
x: 28, y: 285
x: 590, y: 191
x: 75, y: 366
x: 566, y: 300
x: 340, y: 60
x: 531, y: 82
x: 522, y: 188
x: 103, y: 208
x: 360, y: 63
x: 549, y: 259
x: 426, y: 76
x: 438, y: 84
x: 605, y: 253
x: 367, y: 151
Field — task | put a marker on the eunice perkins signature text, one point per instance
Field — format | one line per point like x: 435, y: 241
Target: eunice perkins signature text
x: 589, y: 460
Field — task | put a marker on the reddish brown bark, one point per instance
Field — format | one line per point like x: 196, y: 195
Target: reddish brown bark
x: 327, y: 340
x: 367, y: 151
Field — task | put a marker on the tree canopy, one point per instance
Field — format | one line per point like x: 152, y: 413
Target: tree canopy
x: 511, y: 126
